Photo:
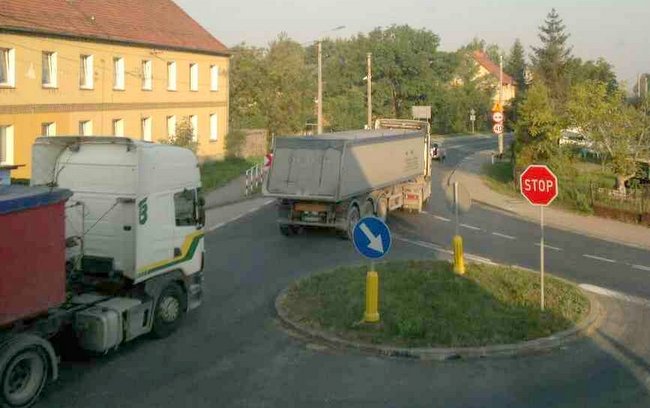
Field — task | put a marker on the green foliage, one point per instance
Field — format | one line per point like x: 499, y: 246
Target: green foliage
x: 515, y: 65
x: 184, y: 136
x: 235, y: 141
x: 248, y: 84
x: 215, y: 174
x: 599, y: 71
x: 538, y: 127
x: 550, y: 61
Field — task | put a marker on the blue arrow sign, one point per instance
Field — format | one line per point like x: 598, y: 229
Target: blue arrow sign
x: 371, y: 238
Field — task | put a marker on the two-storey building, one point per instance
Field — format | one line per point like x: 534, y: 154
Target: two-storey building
x: 95, y: 67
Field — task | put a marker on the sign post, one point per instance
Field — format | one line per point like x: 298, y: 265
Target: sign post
x: 472, y: 117
x: 497, y: 118
x: 539, y: 185
x: 371, y: 238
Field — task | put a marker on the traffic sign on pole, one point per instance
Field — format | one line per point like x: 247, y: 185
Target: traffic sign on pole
x: 497, y: 128
x: 371, y: 238
x: 497, y: 116
x: 268, y: 159
x: 539, y: 185
x: 497, y: 107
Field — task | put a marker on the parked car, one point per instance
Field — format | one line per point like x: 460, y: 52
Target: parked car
x: 437, y: 152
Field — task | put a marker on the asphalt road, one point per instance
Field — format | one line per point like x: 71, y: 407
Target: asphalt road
x: 233, y: 353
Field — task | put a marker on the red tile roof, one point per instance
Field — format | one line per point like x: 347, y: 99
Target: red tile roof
x: 485, y: 61
x: 156, y: 23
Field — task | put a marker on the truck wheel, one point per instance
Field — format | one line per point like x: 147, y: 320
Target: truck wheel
x: 382, y: 209
x: 352, y: 220
x: 286, y: 231
x: 169, y: 312
x: 368, y: 209
x: 23, y: 376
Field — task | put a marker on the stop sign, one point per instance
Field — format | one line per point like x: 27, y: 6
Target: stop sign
x: 538, y: 184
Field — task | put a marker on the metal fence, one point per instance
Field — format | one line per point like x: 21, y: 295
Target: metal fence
x: 634, y: 206
x: 254, y: 178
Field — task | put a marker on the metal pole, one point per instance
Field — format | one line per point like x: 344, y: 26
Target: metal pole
x: 500, y: 136
x: 541, y: 255
x: 456, y: 204
x: 369, y: 90
x: 320, y: 89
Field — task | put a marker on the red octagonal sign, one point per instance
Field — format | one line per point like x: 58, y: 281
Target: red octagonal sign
x: 538, y: 184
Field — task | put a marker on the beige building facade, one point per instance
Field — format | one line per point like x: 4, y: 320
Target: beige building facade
x: 61, y: 85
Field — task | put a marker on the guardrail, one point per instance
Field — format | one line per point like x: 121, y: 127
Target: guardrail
x: 254, y: 178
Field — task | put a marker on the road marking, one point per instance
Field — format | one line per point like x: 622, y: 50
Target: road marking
x: 599, y: 258
x: 549, y: 247
x: 641, y: 267
x: 470, y: 227
x: 614, y: 294
x: 498, y: 234
x: 479, y: 259
x: 437, y: 217
x: 223, y: 224
x: 435, y: 247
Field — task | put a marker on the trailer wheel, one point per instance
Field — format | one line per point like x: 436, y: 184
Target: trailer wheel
x: 170, y: 310
x: 24, y: 374
x: 368, y: 209
x: 382, y: 209
x: 352, y: 220
x: 289, y: 230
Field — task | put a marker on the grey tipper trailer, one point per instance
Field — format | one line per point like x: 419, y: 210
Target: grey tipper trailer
x: 333, y: 179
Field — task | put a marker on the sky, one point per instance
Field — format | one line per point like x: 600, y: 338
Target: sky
x: 617, y: 30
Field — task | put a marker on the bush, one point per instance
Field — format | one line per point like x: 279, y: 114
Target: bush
x: 184, y: 136
x: 235, y: 141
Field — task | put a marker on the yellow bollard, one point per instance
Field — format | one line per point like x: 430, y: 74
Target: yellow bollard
x: 459, y: 263
x: 372, y: 298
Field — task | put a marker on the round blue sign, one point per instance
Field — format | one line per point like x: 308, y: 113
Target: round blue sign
x: 372, y: 238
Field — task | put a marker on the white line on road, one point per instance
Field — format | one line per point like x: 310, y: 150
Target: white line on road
x: 470, y: 227
x: 498, y: 234
x: 599, y: 258
x: 614, y: 294
x: 641, y: 267
x: 437, y: 217
x: 479, y: 259
x: 549, y: 247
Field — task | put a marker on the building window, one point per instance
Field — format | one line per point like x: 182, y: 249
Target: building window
x: 7, y: 67
x: 214, y: 130
x: 118, y: 127
x: 184, y: 208
x: 214, y: 78
x: 194, y: 77
x: 146, y: 129
x: 147, y: 75
x: 171, y: 126
x: 171, y: 76
x: 194, y: 121
x: 86, y: 72
x: 6, y: 144
x: 118, y: 73
x: 86, y: 128
x: 49, y: 77
x: 48, y: 129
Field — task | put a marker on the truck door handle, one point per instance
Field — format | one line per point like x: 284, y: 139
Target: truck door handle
x: 177, y: 251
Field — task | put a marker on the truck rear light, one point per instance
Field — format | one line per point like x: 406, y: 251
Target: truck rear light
x: 411, y: 196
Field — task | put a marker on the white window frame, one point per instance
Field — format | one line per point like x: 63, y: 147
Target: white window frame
x: 194, y: 121
x: 171, y: 126
x: 48, y: 129
x: 147, y: 75
x: 7, y: 144
x: 171, y: 75
x: 214, y: 127
x: 49, y: 69
x: 8, y: 62
x: 86, y: 127
x: 214, y: 78
x: 194, y: 76
x: 146, y: 128
x: 86, y: 71
x: 118, y: 73
x: 118, y: 127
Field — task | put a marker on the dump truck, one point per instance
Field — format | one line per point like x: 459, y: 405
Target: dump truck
x: 332, y: 180
x: 106, y: 245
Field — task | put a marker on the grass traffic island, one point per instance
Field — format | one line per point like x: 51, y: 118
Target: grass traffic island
x: 423, y: 304
x: 215, y: 174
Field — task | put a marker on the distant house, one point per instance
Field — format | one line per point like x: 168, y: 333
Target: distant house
x: 96, y: 67
x: 488, y: 68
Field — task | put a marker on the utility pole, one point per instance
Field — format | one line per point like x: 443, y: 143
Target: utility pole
x: 369, y: 90
x: 500, y: 135
x: 319, y: 128
x: 638, y: 86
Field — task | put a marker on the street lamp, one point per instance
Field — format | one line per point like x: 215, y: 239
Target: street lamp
x: 319, y: 128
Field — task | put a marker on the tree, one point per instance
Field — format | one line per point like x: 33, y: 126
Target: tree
x: 248, y: 83
x: 618, y: 129
x: 516, y: 65
x: 538, y: 127
x: 184, y: 136
x: 599, y: 70
x: 551, y: 59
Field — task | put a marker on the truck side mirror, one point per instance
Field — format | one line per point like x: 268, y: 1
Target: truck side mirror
x: 201, y: 212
